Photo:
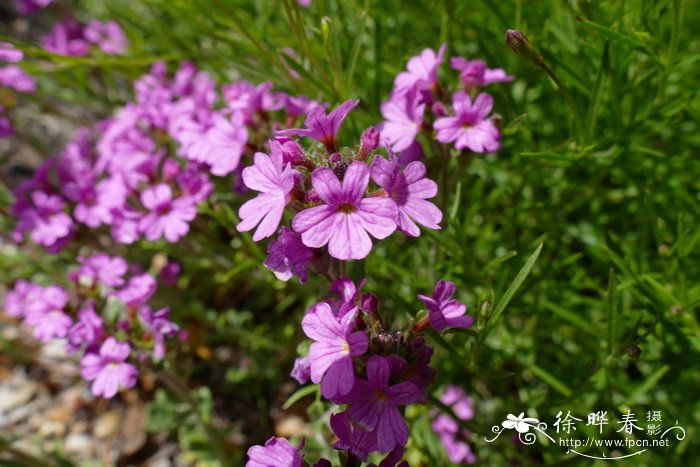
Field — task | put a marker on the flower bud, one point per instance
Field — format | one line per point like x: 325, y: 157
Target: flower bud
x: 368, y: 142
x: 519, y: 44
x: 290, y: 149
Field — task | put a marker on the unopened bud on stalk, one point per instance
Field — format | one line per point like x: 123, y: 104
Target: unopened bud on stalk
x: 517, y: 41
x: 368, y: 142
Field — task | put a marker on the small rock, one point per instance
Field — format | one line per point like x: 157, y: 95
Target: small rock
x: 17, y: 392
x: 289, y: 426
x: 78, y: 443
x: 134, y: 429
x: 107, y: 424
x: 52, y: 428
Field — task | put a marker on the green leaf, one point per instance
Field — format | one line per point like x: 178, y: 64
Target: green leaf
x: 514, y: 286
x: 300, y: 394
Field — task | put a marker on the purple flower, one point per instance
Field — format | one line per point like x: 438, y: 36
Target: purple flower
x: 302, y: 370
x: 87, y: 331
x: 15, y: 77
x: 47, y: 221
x: 352, y: 437
x: 373, y: 403
x: 277, y: 452
x: 22, y: 298
x: 9, y: 53
x: 448, y: 429
x: 322, y: 127
x: 5, y: 126
x: 369, y: 141
x: 474, y: 73
x: 108, y: 368
x: 346, y: 217
x: 159, y: 327
x: 469, y: 128
x: 109, y: 37
x: 274, y: 180
x: 67, y: 38
x: 220, y: 146
x: 287, y: 256
x: 409, y: 190
x: 47, y: 317
x: 421, y: 71
x: 170, y: 273
x: 137, y: 291
x: 404, y: 117
x: 167, y: 218
x: 335, y: 345
x: 25, y: 7
x: 445, y: 311
x: 103, y: 269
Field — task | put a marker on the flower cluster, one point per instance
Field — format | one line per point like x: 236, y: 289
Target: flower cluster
x: 452, y: 436
x: 102, y: 313
x: 361, y: 363
x: 126, y: 175
x: 419, y: 104
x: 340, y: 196
x: 13, y: 78
x: 26, y: 7
x: 72, y: 38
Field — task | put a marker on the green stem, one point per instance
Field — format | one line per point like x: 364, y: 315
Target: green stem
x: 570, y: 100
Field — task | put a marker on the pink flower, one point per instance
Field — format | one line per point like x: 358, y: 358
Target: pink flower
x: 335, y: 345
x: 137, y: 291
x: 474, y: 73
x: 47, y: 316
x: 167, y: 218
x: 352, y: 437
x: 277, y: 452
x: 322, y: 127
x: 274, y: 180
x: 287, y: 256
x: 15, y: 77
x: 409, y: 190
x: 373, y: 403
x: 109, y: 36
x: 404, y: 117
x: 469, y: 128
x: 421, y: 71
x: 103, y: 269
x: 9, y: 53
x: 445, y: 311
x: 347, y: 216
x: 108, y: 368
x: 21, y: 298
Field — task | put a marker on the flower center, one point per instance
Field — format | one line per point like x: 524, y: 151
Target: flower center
x: 380, y: 395
x: 346, y: 348
x: 347, y: 208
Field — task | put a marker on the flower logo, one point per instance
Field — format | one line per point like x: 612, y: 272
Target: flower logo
x: 520, y: 423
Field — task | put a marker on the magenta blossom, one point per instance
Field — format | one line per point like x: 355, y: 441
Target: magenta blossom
x: 373, y: 403
x: 287, y: 256
x: 352, y: 437
x: 322, y: 127
x: 277, y: 452
x: 103, y: 269
x: 274, y: 180
x: 137, y: 291
x: 22, y: 298
x: 445, y: 311
x: 16, y: 78
x: 469, y: 128
x: 335, y: 345
x: 47, y: 316
x: 452, y: 437
x: 9, y: 53
x: 474, y: 73
x: 109, y: 36
x: 346, y: 217
x: 404, y: 117
x: 421, y: 71
x: 409, y: 190
x: 301, y: 370
x: 25, y: 7
x: 109, y: 369
x: 168, y: 218
x: 87, y: 331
